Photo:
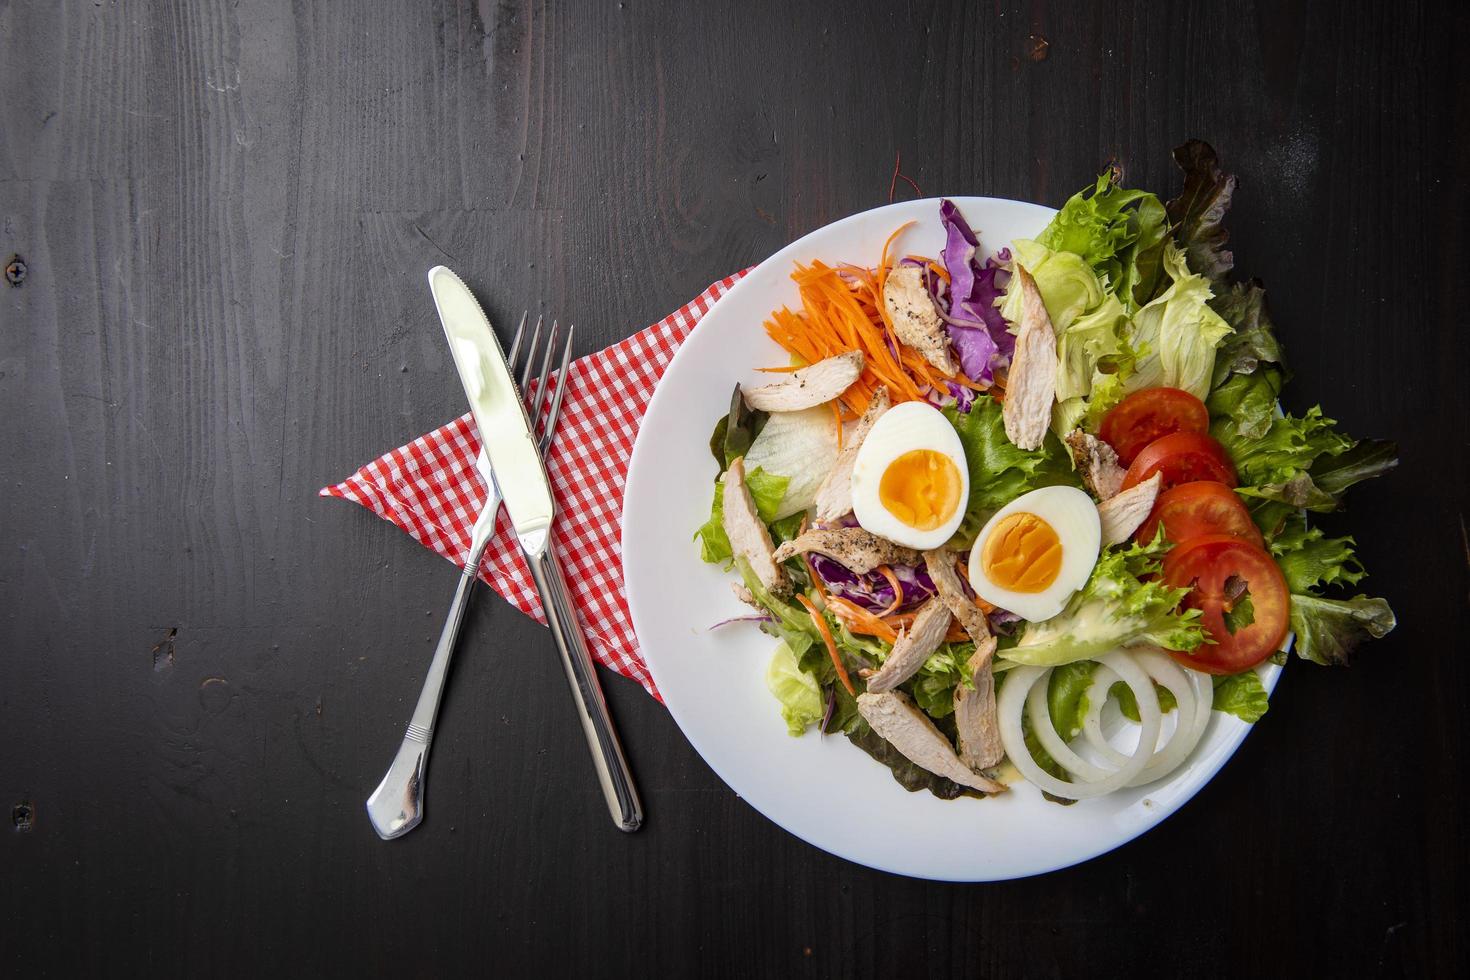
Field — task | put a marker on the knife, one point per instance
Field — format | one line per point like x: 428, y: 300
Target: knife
x: 505, y: 430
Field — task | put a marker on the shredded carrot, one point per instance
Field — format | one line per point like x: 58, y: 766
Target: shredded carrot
x: 782, y: 370
x: 837, y: 416
x: 831, y: 643
x: 955, y: 634
x: 887, y: 573
x: 859, y: 620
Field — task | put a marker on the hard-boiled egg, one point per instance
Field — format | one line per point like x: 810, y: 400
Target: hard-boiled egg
x: 910, y: 483
x: 1036, y: 551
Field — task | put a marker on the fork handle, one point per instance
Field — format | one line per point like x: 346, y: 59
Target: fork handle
x: 607, y: 751
x: 397, y: 805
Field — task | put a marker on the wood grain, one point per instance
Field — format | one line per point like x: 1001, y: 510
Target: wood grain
x: 226, y: 210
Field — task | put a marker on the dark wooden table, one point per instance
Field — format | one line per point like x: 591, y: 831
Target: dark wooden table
x: 222, y: 213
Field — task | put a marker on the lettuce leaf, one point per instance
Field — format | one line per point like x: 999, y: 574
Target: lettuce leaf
x: 1310, y: 560
x: 1242, y: 695
x: 1198, y: 214
x: 1066, y: 697
x: 765, y: 489
x: 1252, y: 341
x: 1067, y: 284
x: 796, y: 690
x: 1177, y: 332
x: 1118, y: 232
x: 1329, y: 630
x: 999, y: 472
x: 1123, y: 602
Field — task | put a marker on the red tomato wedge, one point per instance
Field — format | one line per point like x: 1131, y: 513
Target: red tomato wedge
x: 1151, y: 414
x: 1222, y: 572
x: 1182, y: 457
x: 1192, y: 510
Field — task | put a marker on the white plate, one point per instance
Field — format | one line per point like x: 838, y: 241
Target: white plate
x: 825, y: 790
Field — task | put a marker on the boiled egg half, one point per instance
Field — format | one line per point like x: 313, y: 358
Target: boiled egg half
x: 910, y: 483
x: 1036, y: 551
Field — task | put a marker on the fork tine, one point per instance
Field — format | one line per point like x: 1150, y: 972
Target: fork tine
x: 545, y: 374
x: 530, y: 357
x: 515, y: 345
x: 561, y: 389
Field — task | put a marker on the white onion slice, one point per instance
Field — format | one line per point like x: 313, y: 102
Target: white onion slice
x: 1051, y: 740
x: 1191, y: 689
x: 1013, y: 698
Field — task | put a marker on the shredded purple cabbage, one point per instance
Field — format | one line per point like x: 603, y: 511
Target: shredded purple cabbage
x: 1003, y: 622
x: 752, y: 618
x: 977, y: 331
x: 964, y: 398
x: 827, y: 715
x: 872, y: 591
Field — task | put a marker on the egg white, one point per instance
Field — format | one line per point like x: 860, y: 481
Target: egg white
x: 902, y: 429
x: 1073, y: 516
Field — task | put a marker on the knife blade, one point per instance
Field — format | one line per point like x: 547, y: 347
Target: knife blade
x: 500, y: 412
x: 505, y: 433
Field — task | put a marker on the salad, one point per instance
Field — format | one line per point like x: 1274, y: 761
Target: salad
x: 1037, y: 515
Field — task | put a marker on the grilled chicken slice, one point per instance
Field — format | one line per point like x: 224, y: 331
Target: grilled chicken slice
x: 747, y: 532
x: 834, y: 496
x: 1098, y: 464
x: 861, y: 551
x: 940, y: 565
x: 815, y: 384
x: 974, y: 712
x: 916, y: 319
x: 1125, y: 513
x: 913, y: 647
x: 895, y: 718
x: 1031, y: 383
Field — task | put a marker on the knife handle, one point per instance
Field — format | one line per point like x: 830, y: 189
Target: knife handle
x: 597, y: 725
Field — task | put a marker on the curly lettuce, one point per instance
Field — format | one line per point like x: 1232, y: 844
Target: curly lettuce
x: 1123, y: 602
x: 999, y: 472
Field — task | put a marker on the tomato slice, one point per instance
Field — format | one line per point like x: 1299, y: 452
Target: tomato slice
x: 1182, y: 457
x: 1151, y: 414
x: 1192, y: 510
x: 1222, y: 572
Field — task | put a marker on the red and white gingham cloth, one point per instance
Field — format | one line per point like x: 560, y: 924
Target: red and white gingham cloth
x: 431, y: 488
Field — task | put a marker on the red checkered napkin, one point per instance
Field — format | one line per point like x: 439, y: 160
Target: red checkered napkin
x: 431, y: 489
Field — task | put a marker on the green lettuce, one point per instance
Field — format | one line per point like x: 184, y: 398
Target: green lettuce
x: 1242, y: 695
x: 1252, y: 341
x: 796, y: 690
x: 1066, y: 697
x: 1093, y: 341
x: 946, y: 669
x: 1179, y: 332
x: 999, y: 472
x: 1329, y: 630
x: 765, y: 489
x: 1067, y: 284
x: 1118, y: 232
x: 1123, y: 602
x: 1310, y: 560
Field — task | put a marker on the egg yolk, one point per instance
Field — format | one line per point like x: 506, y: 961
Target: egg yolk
x: 921, y: 488
x: 1022, y: 554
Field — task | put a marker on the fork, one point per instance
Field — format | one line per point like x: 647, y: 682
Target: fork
x: 397, y: 805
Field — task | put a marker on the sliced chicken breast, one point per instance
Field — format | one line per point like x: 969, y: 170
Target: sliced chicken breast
x: 974, y: 712
x: 1031, y: 382
x: 815, y: 384
x: 940, y: 565
x: 895, y: 718
x: 1097, y: 463
x: 913, y: 647
x: 862, y: 551
x: 1125, y: 513
x: 916, y: 319
x: 747, y: 532
x: 834, y: 496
